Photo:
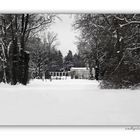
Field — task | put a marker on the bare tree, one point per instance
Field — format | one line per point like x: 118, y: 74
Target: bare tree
x: 16, y: 29
x: 42, y: 53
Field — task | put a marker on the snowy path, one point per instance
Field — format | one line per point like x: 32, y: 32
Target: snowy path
x: 68, y: 102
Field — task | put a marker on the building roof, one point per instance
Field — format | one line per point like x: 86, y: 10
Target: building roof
x: 79, y: 68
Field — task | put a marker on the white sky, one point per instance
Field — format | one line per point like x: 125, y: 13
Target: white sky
x: 66, y: 33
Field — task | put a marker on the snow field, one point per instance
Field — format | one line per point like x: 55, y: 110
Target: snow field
x: 67, y: 102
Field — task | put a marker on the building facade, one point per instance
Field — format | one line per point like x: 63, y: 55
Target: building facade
x: 81, y: 72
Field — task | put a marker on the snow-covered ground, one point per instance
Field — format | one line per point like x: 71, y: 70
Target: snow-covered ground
x: 67, y: 102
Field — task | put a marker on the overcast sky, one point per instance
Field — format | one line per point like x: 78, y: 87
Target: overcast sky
x: 66, y: 33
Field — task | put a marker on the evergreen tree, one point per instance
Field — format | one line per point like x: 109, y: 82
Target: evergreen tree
x: 68, y: 61
x: 78, y: 61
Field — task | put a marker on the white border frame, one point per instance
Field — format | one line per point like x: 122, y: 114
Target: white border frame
x: 68, y: 6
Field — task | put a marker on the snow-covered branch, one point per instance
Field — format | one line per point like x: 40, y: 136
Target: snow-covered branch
x: 3, y: 49
x: 129, y: 23
x: 8, y: 47
x: 118, y: 18
x: 132, y: 49
x: 1, y: 59
x: 44, y: 22
x: 126, y: 22
x: 127, y: 49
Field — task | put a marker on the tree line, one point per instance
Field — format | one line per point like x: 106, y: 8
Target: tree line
x: 111, y: 44
x: 15, y: 32
x: 45, y: 57
x: 24, y: 54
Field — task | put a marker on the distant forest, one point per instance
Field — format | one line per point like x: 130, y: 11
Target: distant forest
x: 109, y: 43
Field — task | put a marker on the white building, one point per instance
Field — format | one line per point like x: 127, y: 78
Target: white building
x: 81, y: 72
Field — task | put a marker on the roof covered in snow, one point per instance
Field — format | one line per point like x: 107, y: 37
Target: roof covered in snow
x: 79, y: 68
